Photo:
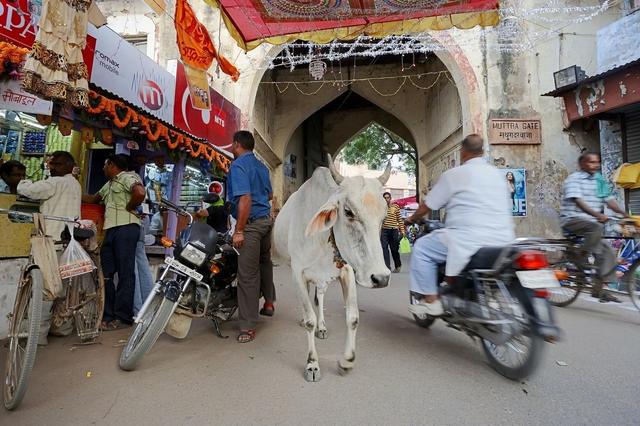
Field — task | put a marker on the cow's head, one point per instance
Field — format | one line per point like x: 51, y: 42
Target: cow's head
x: 355, y: 212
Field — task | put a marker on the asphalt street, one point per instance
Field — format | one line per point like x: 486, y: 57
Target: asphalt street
x: 404, y: 375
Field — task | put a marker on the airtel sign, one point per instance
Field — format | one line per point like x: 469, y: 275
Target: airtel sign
x: 151, y: 95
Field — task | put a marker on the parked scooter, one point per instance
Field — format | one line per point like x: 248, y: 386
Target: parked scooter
x: 501, y: 298
x: 200, y: 281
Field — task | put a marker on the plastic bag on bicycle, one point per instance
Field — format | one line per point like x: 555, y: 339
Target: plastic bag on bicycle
x: 75, y: 260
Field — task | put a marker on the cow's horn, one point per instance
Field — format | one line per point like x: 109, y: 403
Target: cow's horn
x: 332, y: 167
x: 385, y: 176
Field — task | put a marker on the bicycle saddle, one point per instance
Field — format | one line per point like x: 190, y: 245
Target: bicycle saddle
x: 79, y: 234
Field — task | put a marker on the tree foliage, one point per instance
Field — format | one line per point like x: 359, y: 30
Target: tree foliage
x: 375, y: 145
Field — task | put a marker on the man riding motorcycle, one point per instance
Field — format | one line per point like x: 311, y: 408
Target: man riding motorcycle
x: 478, y: 208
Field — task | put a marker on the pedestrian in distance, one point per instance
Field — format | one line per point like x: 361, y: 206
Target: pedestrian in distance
x: 392, y: 231
x: 250, y: 193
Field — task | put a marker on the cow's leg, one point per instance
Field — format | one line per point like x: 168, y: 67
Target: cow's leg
x: 348, y: 282
x: 321, y: 332
x: 312, y: 370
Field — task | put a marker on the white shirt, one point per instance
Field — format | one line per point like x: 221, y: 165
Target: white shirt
x: 478, y: 211
x: 60, y: 196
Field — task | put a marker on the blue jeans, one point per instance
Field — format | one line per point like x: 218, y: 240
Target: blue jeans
x: 428, y: 252
x: 144, y: 277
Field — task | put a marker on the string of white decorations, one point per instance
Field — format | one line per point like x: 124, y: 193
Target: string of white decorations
x: 521, y: 29
x: 283, y: 86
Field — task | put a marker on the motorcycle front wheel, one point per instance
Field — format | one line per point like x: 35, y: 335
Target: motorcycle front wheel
x: 519, y: 356
x: 146, y: 331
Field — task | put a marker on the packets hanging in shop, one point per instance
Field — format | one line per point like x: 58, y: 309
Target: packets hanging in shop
x: 75, y: 260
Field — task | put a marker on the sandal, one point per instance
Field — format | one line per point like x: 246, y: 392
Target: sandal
x: 268, y: 309
x: 114, y: 325
x: 246, y: 336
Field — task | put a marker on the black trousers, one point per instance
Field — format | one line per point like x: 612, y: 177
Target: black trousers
x: 118, y: 255
x: 390, y: 239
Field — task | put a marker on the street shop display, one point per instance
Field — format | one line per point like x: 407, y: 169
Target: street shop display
x: 55, y: 68
x: 124, y: 116
x: 627, y: 176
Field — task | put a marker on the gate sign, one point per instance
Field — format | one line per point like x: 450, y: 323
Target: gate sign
x: 18, y: 23
x: 123, y: 70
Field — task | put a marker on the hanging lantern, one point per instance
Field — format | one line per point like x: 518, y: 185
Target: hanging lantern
x: 317, y: 68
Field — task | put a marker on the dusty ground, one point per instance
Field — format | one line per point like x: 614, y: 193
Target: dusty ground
x: 403, y: 374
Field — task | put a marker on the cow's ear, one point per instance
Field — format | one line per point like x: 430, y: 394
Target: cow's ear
x: 324, y: 219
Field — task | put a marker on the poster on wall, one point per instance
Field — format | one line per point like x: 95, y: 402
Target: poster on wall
x: 517, y: 184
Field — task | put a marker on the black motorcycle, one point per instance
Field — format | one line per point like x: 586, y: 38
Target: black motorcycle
x: 501, y: 298
x: 199, y: 281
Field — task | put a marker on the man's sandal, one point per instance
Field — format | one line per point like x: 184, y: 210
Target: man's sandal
x: 246, y: 336
x: 267, y: 310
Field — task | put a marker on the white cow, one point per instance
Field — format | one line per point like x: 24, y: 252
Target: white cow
x: 330, y: 229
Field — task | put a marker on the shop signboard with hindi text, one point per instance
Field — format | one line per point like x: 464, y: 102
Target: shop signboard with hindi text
x: 514, y: 131
x: 120, y: 68
x: 14, y: 98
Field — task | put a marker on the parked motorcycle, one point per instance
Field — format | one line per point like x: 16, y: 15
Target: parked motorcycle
x: 199, y: 281
x: 501, y: 297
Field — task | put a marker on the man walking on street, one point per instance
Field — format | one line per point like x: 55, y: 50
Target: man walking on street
x: 121, y: 196
x: 582, y: 213
x: 249, y: 191
x: 392, y: 230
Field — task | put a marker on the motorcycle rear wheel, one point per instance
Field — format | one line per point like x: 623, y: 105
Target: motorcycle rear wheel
x: 146, y: 332
x: 527, y: 348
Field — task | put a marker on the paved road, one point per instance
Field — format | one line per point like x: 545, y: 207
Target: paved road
x: 403, y: 374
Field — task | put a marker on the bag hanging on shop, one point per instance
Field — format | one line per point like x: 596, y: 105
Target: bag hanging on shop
x: 75, y: 260
x: 627, y: 176
x: 405, y: 246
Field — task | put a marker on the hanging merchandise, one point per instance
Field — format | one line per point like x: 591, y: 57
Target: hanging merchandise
x: 11, y: 59
x: 55, y: 68
x: 197, y: 53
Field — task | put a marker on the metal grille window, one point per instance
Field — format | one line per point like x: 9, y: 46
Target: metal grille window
x: 632, y: 141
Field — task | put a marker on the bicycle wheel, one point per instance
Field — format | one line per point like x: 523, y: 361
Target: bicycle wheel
x: 632, y: 280
x: 570, y: 286
x: 86, y: 301
x: 24, y: 326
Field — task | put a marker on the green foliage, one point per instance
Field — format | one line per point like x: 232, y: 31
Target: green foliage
x: 375, y: 145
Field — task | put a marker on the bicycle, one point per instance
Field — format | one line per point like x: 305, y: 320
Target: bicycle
x: 576, y: 275
x: 83, y: 301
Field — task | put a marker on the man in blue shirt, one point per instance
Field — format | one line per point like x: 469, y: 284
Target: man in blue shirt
x: 249, y: 191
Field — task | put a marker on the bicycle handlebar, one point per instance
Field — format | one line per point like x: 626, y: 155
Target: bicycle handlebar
x: 30, y: 215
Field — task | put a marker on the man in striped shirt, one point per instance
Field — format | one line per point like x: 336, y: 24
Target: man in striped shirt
x: 582, y: 213
x: 392, y: 228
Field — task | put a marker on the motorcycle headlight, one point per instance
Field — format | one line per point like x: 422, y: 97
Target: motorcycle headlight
x: 193, y: 255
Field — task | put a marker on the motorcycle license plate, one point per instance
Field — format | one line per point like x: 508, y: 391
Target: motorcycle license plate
x: 541, y: 278
x: 182, y: 268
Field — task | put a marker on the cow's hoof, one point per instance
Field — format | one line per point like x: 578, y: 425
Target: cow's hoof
x: 322, y: 334
x: 312, y: 373
x: 344, y: 367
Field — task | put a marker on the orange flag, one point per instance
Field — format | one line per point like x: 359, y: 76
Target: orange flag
x: 194, y: 43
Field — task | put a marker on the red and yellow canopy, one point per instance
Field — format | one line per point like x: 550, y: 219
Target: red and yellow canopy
x: 253, y: 22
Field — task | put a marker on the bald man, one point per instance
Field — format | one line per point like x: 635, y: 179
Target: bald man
x: 478, y: 207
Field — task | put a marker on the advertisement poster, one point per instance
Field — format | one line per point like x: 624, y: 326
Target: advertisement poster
x: 120, y: 68
x: 517, y: 184
x: 13, y: 97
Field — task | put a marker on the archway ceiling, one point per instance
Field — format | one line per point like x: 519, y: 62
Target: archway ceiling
x: 253, y: 22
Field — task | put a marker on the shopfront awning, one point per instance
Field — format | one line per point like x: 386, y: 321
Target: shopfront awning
x: 601, y: 94
x: 253, y: 22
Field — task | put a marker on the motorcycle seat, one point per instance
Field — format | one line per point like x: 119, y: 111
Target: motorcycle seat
x: 484, y: 258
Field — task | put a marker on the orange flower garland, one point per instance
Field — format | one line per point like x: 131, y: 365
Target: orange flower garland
x: 122, y: 115
x: 11, y: 53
